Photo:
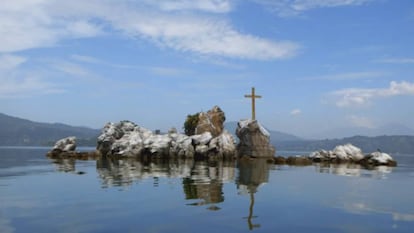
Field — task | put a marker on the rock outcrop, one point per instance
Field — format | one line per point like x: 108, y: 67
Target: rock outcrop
x: 127, y: 139
x: 351, y: 153
x: 65, y: 144
x: 341, y: 154
x: 211, y: 121
x: 254, y: 140
x: 347, y: 152
x: 378, y: 159
x: 66, y: 148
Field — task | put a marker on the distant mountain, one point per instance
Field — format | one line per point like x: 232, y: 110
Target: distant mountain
x: 275, y: 136
x: 388, y: 144
x: 20, y: 132
x: 389, y: 129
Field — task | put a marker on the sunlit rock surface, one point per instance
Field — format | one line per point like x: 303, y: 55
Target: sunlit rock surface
x: 378, y: 158
x: 351, y: 153
x: 127, y: 139
x: 254, y: 140
x: 211, y: 121
x: 66, y: 144
x: 124, y: 138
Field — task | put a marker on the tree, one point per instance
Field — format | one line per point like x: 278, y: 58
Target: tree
x: 190, y: 124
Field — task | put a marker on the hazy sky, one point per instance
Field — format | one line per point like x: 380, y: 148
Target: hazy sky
x: 319, y: 64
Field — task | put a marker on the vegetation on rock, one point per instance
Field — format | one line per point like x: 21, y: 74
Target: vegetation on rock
x: 190, y: 124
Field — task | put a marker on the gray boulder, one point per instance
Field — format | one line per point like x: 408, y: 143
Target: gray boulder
x: 254, y: 140
x: 65, y: 144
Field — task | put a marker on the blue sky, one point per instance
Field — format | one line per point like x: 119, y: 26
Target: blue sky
x: 319, y: 64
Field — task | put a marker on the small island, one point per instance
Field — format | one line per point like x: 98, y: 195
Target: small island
x: 206, y: 138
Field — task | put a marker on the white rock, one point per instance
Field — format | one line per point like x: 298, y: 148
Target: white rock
x: 340, y: 153
x: 226, y: 142
x: 202, y: 139
x: 315, y: 155
x: 128, y: 139
x: 381, y: 158
x: 354, y: 152
x: 349, y: 152
x: 158, y: 143
x: 245, y: 123
x: 66, y: 144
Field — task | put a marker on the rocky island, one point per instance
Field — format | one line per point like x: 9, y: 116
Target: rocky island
x: 206, y: 138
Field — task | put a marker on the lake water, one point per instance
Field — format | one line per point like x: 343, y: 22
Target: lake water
x: 42, y: 195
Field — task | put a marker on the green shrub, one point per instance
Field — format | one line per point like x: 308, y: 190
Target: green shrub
x: 190, y: 124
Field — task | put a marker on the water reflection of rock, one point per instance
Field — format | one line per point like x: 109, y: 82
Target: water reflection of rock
x: 202, y: 180
x: 352, y: 169
x: 252, y: 173
x: 206, y: 182
x: 65, y: 165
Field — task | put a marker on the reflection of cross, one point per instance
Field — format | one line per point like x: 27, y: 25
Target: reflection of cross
x: 253, y: 96
x: 249, y: 218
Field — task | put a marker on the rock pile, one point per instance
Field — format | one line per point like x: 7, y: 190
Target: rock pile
x: 351, y: 153
x: 127, y: 139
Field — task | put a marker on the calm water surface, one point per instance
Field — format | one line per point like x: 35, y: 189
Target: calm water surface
x: 42, y: 195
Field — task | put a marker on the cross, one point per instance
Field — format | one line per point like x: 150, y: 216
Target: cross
x: 253, y: 96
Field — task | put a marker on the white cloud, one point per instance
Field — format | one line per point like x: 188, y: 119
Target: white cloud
x: 303, y: 5
x: 32, y: 23
x: 215, y: 6
x: 286, y: 8
x: 349, y: 76
x: 70, y: 68
x: 203, y: 35
x: 26, y: 86
x: 43, y: 23
x: 9, y: 62
x: 295, y: 112
x: 93, y: 60
x: 17, y: 82
x: 81, y: 28
x: 359, y: 96
x: 86, y: 59
x: 359, y: 121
